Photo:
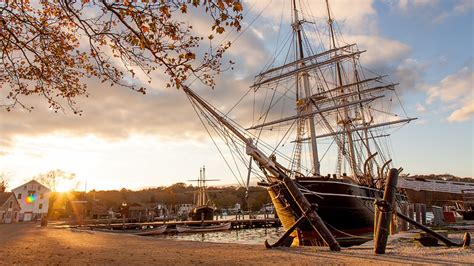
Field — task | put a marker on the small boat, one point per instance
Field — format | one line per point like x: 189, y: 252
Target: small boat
x: 202, y: 228
x: 138, y: 232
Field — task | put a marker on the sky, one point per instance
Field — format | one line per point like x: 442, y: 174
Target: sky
x: 125, y: 139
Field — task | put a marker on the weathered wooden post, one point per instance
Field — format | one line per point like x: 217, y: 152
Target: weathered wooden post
x: 418, y: 212
x: 466, y: 240
x: 423, y: 214
x: 404, y: 223
x: 411, y: 210
x: 385, y: 216
x: 376, y: 217
x: 394, y: 222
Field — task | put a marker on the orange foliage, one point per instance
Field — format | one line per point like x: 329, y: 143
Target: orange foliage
x: 49, y: 47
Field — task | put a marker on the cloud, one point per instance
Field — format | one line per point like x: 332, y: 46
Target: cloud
x: 455, y: 91
x: 354, y: 19
x: 409, y: 73
x: 434, y: 10
x: 380, y: 50
x: 114, y: 113
x: 461, y: 7
x: 408, y: 4
x: 453, y: 87
x: 462, y: 114
x: 420, y: 108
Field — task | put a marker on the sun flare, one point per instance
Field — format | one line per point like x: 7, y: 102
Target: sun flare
x: 66, y: 186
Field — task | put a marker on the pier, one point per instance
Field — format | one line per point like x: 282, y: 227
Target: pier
x: 235, y: 224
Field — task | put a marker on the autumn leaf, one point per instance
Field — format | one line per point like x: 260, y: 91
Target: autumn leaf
x: 184, y: 8
x: 238, y: 7
x: 220, y: 29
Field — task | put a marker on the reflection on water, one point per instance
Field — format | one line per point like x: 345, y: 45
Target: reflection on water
x: 240, y: 236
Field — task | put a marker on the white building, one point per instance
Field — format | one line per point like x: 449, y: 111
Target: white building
x: 33, y: 198
x: 9, y: 208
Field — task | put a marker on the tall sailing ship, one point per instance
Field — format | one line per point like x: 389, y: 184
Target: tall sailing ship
x: 317, y: 111
x: 203, y: 209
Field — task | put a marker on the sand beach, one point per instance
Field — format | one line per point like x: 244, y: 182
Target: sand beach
x: 27, y: 243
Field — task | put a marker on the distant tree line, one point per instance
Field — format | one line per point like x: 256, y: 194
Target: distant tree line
x: 176, y: 194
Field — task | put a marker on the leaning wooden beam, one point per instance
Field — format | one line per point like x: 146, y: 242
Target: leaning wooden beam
x: 385, y: 214
x: 314, y: 219
x: 286, y: 235
x: 442, y: 238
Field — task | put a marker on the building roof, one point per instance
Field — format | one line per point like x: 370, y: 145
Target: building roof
x: 32, y: 181
x: 4, y: 196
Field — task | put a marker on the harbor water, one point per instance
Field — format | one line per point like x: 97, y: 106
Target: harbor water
x: 240, y: 236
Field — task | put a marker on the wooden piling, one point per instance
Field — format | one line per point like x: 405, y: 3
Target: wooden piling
x: 411, y: 211
x: 466, y: 240
x: 394, y: 223
x: 376, y: 218
x: 418, y: 212
x: 404, y: 223
x: 385, y: 215
x: 437, y: 215
x: 423, y: 213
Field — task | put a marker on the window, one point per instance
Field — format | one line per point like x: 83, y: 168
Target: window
x: 42, y: 196
x: 11, y: 204
x: 19, y: 195
x: 24, y: 187
x: 41, y: 206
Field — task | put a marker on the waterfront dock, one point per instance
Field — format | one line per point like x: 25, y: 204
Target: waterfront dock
x: 246, y: 223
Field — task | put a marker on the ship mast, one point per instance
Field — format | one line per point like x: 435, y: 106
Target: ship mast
x: 365, y: 123
x: 346, y: 121
x: 302, y: 102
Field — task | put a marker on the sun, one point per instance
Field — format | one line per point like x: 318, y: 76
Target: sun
x: 65, y: 186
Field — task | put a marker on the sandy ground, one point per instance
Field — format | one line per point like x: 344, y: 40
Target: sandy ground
x: 29, y: 243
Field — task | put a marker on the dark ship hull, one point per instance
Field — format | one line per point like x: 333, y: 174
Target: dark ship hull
x: 346, y: 208
x: 200, y: 213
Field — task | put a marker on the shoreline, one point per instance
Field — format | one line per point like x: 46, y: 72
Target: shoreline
x: 27, y: 243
